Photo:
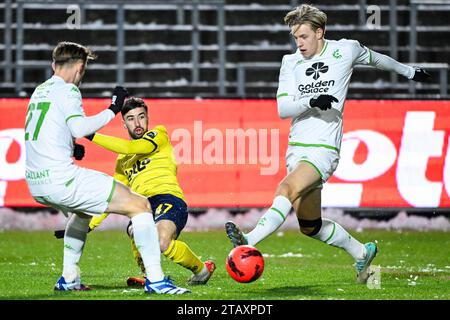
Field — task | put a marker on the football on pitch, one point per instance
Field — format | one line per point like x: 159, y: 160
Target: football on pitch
x: 245, y: 264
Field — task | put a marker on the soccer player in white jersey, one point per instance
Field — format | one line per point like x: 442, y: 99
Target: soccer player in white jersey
x: 55, y: 118
x: 313, y: 85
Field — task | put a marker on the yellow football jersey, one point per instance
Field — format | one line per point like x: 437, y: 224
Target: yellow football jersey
x: 146, y: 165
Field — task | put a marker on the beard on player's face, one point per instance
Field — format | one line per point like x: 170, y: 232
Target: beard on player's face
x: 137, y: 132
x: 136, y: 122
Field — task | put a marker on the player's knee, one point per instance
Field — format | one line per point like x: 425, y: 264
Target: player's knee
x: 310, y: 227
x: 164, y: 242
x: 285, y: 189
x: 138, y: 204
x: 144, y: 205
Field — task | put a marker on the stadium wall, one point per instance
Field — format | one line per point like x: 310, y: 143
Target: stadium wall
x: 394, y: 154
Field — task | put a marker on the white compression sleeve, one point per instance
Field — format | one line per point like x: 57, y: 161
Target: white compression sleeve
x: 383, y: 62
x: 289, y: 107
x: 83, y: 126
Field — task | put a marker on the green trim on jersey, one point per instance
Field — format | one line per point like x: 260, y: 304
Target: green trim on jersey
x: 45, y: 84
x: 317, y: 169
x: 324, y: 48
x: 284, y: 94
x: 299, y: 144
x: 75, y: 89
x: 332, y: 233
x: 73, y: 116
x: 68, y: 183
x: 112, y: 191
x: 279, y: 212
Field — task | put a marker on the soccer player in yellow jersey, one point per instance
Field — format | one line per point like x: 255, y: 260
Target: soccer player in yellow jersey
x: 147, y: 165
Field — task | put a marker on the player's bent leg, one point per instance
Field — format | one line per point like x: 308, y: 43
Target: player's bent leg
x: 135, y: 281
x: 128, y: 203
x: 167, y: 231
x: 165, y: 236
x: 175, y: 250
x: 74, y: 241
x: 163, y: 286
x: 87, y: 192
x: 301, y: 179
x: 299, y: 182
x: 137, y: 257
x: 272, y: 219
x: 311, y: 224
x: 180, y: 253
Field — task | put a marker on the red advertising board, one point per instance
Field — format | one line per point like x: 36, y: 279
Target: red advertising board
x: 231, y: 152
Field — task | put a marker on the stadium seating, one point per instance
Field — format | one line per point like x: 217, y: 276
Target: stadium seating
x: 177, y: 48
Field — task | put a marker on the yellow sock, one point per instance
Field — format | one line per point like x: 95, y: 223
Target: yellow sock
x: 180, y: 253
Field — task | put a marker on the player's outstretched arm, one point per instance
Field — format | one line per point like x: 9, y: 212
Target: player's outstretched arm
x: 81, y: 126
x: 118, y: 99
x: 384, y: 62
x: 150, y: 142
x: 364, y: 56
x: 122, y: 146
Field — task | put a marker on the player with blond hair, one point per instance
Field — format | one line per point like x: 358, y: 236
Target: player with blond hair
x: 55, y: 118
x: 313, y: 84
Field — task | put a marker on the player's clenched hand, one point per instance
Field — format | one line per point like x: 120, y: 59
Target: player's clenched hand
x: 421, y: 75
x: 118, y: 98
x: 78, y: 151
x: 90, y: 137
x: 323, y: 102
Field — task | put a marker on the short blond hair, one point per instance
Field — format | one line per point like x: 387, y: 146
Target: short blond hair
x: 69, y: 52
x: 306, y: 14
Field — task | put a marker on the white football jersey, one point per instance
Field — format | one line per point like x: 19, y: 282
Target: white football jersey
x: 48, y: 139
x: 326, y: 73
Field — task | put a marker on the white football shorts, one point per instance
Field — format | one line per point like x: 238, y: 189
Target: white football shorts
x: 324, y: 160
x: 88, y: 192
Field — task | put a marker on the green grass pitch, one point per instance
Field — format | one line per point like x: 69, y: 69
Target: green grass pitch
x: 414, y: 265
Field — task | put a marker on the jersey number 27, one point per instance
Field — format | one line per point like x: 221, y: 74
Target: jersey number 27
x: 42, y: 108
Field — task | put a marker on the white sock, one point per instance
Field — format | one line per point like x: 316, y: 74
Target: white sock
x: 147, y: 242
x: 270, y: 221
x: 333, y: 234
x: 74, y: 240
